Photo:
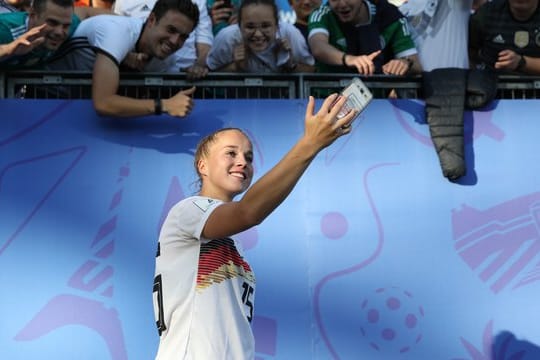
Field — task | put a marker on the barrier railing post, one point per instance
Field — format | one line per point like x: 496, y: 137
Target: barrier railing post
x: 2, y: 85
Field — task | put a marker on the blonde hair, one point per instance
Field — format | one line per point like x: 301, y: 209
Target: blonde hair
x: 203, y: 150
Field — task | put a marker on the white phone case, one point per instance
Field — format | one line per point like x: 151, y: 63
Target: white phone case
x: 358, y: 97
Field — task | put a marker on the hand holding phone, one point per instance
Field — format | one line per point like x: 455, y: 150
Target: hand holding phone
x: 358, y: 98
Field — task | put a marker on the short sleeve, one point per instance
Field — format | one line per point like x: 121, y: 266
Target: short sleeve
x: 222, y: 51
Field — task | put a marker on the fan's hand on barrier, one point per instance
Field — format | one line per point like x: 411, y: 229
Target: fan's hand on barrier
x: 196, y: 71
x: 363, y: 63
x: 180, y: 104
x: 240, y: 57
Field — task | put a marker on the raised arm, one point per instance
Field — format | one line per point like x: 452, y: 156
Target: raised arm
x: 24, y: 44
x: 321, y: 129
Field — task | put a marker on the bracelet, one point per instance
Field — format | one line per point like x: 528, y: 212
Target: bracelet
x: 522, y: 63
x: 158, y: 108
x: 343, y: 59
x: 408, y: 61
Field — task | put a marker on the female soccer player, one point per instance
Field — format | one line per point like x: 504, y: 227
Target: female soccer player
x: 204, y: 289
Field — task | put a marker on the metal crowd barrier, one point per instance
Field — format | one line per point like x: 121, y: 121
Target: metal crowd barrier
x: 77, y: 85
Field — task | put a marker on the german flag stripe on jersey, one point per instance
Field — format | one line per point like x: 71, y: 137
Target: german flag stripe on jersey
x: 219, y: 260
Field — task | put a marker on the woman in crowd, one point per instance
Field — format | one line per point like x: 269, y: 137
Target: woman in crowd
x: 260, y: 43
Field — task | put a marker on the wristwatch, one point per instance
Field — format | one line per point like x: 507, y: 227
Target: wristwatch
x: 343, y: 62
x: 522, y: 63
x: 408, y: 61
x: 158, y: 106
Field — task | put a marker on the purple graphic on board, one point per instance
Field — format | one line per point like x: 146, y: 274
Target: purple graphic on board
x: 265, y: 332
x: 8, y: 139
x: 503, y: 346
x: 94, y: 277
x: 487, y: 342
x: 337, y: 230
x: 66, y: 309
x: 77, y: 153
x: 502, y: 241
x: 392, y: 320
x: 334, y: 225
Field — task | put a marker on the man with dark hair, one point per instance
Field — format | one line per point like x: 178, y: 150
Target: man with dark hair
x: 102, y: 43
x: 191, y: 57
x: 30, y: 39
x: 505, y: 35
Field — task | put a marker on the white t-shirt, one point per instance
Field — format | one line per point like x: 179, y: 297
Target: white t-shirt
x: 222, y: 53
x: 203, y: 289
x: 112, y: 35
x: 5, y: 7
x: 187, y: 54
x: 440, y: 31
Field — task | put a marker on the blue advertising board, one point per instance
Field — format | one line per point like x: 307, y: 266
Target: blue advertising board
x: 374, y: 255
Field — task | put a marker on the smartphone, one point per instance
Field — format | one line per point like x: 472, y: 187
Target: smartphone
x: 227, y: 3
x: 358, y: 97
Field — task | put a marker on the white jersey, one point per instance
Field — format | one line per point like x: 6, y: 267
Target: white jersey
x: 222, y: 53
x: 440, y: 29
x: 115, y: 36
x: 187, y: 54
x: 203, y: 289
x: 5, y: 7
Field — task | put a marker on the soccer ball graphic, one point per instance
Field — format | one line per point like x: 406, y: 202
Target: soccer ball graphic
x: 391, y: 320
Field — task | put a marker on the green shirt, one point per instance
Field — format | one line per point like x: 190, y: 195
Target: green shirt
x: 15, y: 24
x: 386, y: 30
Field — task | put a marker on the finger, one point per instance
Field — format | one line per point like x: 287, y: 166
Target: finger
x: 374, y: 54
x: 189, y: 91
x: 366, y: 69
x: 371, y: 68
x: 37, y: 29
x: 335, y: 104
x: 344, y: 130
x: 346, y: 121
x: 26, y: 42
x: 35, y: 42
x: 310, y: 108
x: 393, y: 68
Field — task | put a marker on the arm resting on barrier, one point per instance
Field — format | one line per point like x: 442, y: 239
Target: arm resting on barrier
x: 323, y: 51
x: 531, y: 65
x: 105, y: 83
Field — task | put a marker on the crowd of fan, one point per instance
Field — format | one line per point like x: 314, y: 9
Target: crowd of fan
x: 367, y: 37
